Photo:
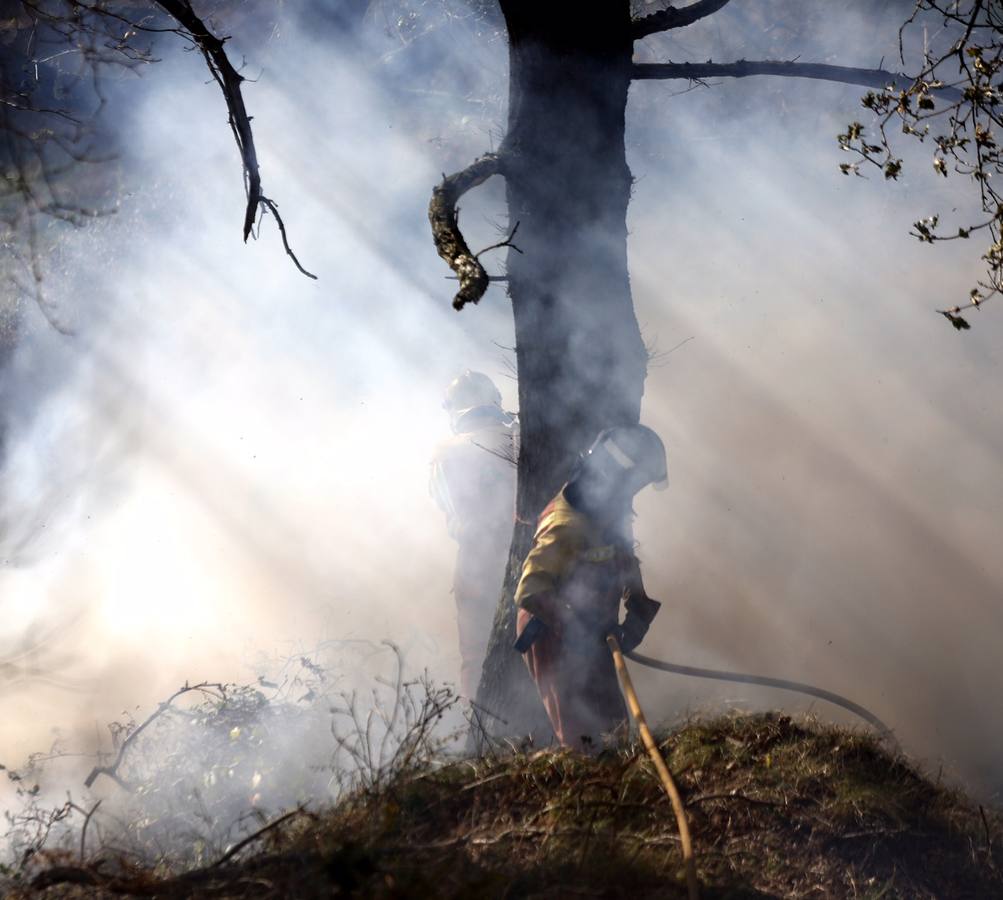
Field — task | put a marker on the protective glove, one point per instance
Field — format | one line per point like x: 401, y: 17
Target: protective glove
x: 529, y: 635
x: 641, y: 610
x: 547, y: 615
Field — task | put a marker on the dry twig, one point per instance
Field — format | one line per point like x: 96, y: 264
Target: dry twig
x: 112, y: 770
x: 261, y: 832
x: 229, y: 81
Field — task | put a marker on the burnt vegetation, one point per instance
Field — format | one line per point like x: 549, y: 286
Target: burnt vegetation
x: 777, y: 808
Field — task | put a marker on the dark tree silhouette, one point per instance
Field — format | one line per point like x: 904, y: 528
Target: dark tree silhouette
x: 581, y: 359
x: 580, y: 356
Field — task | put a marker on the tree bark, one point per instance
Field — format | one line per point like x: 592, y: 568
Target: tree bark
x: 581, y: 360
x: 879, y: 79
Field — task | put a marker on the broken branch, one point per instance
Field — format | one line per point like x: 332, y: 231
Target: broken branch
x: 443, y: 216
x: 229, y: 81
x: 675, y: 18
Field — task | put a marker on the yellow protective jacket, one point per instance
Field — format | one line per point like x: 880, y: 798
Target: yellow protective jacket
x: 574, y: 561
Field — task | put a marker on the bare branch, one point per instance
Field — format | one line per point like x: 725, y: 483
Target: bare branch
x: 88, y: 815
x: 45, y: 134
x: 261, y: 832
x: 271, y: 206
x: 112, y: 770
x: 671, y: 18
x: 35, y: 289
x: 505, y: 243
x: 743, y: 68
x: 443, y: 217
x: 229, y: 81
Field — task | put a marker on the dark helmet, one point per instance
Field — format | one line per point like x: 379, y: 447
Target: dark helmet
x: 469, y: 390
x: 632, y: 453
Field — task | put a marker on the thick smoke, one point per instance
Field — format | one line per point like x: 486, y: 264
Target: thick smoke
x: 230, y: 458
x: 833, y: 451
x: 230, y: 461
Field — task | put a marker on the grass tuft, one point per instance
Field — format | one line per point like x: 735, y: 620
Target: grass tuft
x: 778, y: 808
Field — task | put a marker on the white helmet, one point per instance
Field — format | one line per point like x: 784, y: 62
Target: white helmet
x: 469, y: 390
x: 631, y: 451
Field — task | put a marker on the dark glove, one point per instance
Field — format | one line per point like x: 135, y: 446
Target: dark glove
x: 546, y: 615
x: 533, y: 630
x: 641, y: 610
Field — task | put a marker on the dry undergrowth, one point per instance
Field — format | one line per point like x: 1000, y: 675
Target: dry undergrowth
x: 778, y: 809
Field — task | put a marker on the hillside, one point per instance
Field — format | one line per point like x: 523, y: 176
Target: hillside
x: 777, y: 808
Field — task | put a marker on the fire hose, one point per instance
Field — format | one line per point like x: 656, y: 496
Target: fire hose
x: 783, y: 684
x: 535, y: 627
x: 652, y: 747
x: 663, y: 770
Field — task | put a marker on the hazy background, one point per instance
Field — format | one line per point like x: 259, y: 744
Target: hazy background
x: 229, y: 462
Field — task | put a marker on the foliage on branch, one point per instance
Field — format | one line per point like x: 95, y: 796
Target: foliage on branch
x: 953, y: 104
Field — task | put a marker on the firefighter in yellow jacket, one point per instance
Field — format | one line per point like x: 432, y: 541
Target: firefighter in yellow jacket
x: 579, y: 569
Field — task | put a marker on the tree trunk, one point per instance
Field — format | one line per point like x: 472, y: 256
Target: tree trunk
x: 580, y: 356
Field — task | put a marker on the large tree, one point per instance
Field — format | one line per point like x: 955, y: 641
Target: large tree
x: 581, y: 357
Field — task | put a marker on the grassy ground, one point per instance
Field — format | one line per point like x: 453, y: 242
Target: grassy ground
x: 777, y: 809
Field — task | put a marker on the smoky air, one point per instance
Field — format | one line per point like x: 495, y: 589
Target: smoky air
x: 221, y: 474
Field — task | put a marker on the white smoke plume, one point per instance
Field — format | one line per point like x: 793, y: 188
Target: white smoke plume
x: 229, y: 462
